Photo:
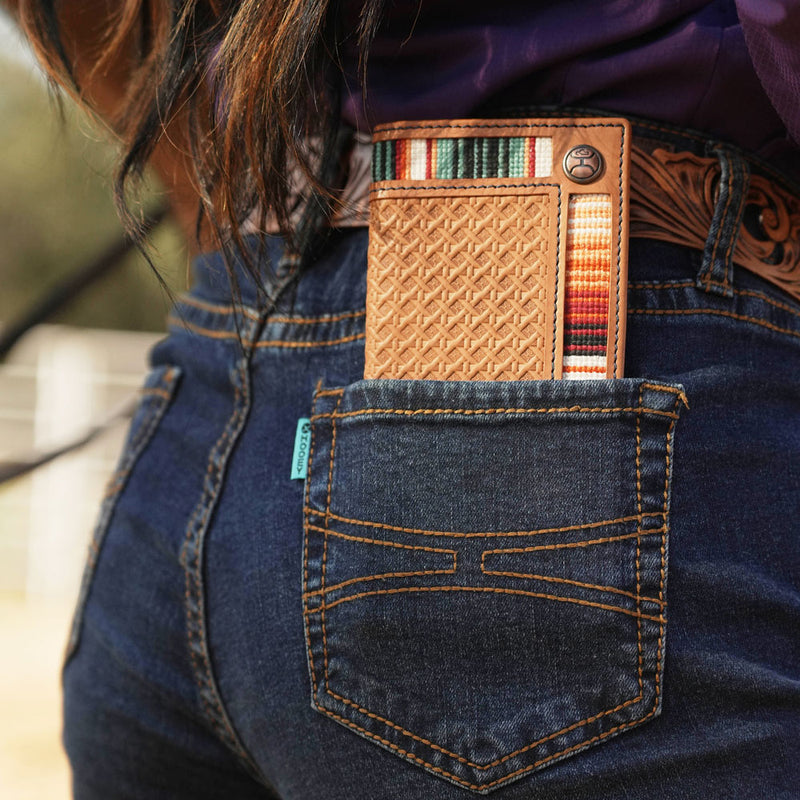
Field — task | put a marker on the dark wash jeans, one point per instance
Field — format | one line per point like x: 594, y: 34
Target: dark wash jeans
x: 551, y: 590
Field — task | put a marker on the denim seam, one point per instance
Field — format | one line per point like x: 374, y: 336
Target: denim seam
x: 309, y: 650
x: 679, y: 398
x: 313, y: 343
x: 320, y: 320
x: 251, y: 313
x: 719, y: 312
x: 218, y: 308
x: 639, y: 649
x: 158, y: 400
x: 662, y: 584
x: 192, y: 559
x: 211, y: 333
x: 690, y: 284
x: 323, y: 604
x: 416, y: 412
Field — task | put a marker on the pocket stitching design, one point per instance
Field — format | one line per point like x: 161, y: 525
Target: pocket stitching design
x: 478, y: 589
x: 638, y: 411
x: 553, y: 579
x: 603, y: 523
x: 321, y: 592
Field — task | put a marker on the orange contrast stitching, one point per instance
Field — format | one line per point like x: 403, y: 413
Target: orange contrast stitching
x: 327, y: 343
x: 662, y: 624
x: 227, y: 310
x: 639, y: 544
x: 480, y: 411
x: 580, y: 584
x: 382, y: 543
x: 212, y: 334
x: 505, y: 778
x: 678, y: 394
x: 216, y: 308
x: 316, y: 320
x: 500, y: 760
x: 323, y: 605
x: 743, y: 292
x: 382, y: 576
x: 485, y: 534
x: 305, y: 541
x: 718, y: 312
x: 482, y: 589
x: 569, y: 545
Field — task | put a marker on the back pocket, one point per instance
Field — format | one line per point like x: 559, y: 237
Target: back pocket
x: 485, y: 567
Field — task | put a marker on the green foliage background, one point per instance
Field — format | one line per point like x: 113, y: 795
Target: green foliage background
x: 56, y: 212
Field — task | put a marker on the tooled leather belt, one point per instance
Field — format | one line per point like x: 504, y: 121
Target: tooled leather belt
x: 673, y: 196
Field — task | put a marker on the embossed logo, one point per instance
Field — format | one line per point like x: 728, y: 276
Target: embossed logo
x: 583, y: 164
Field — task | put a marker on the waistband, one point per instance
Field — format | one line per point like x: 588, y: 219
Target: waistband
x: 326, y: 305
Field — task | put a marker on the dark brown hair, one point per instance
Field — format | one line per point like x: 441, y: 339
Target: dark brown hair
x: 250, y: 86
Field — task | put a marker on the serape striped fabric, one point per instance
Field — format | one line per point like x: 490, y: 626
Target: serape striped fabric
x: 588, y: 266
x: 467, y: 158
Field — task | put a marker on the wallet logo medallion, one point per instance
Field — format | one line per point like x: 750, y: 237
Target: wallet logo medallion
x: 583, y: 164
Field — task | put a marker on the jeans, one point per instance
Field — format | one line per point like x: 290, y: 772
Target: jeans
x: 546, y: 589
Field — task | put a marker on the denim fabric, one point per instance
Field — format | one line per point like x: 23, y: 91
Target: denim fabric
x: 550, y: 590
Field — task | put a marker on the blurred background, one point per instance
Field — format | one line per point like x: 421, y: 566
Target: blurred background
x: 56, y: 215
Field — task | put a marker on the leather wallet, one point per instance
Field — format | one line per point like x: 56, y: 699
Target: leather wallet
x: 498, y: 249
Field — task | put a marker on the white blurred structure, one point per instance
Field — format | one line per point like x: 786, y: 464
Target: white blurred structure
x: 57, y: 383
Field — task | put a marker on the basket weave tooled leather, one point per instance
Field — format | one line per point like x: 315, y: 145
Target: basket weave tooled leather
x: 498, y: 250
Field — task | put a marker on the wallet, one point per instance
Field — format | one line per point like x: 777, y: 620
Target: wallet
x: 498, y: 249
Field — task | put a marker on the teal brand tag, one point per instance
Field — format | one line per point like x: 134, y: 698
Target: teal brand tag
x: 302, y: 440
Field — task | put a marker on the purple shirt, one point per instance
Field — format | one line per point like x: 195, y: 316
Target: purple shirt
x: 693, y: 63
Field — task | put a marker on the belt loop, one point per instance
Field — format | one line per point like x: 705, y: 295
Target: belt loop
x: 716, y: 272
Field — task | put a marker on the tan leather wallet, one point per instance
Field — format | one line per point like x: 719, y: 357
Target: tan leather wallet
x: 498, y: 249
